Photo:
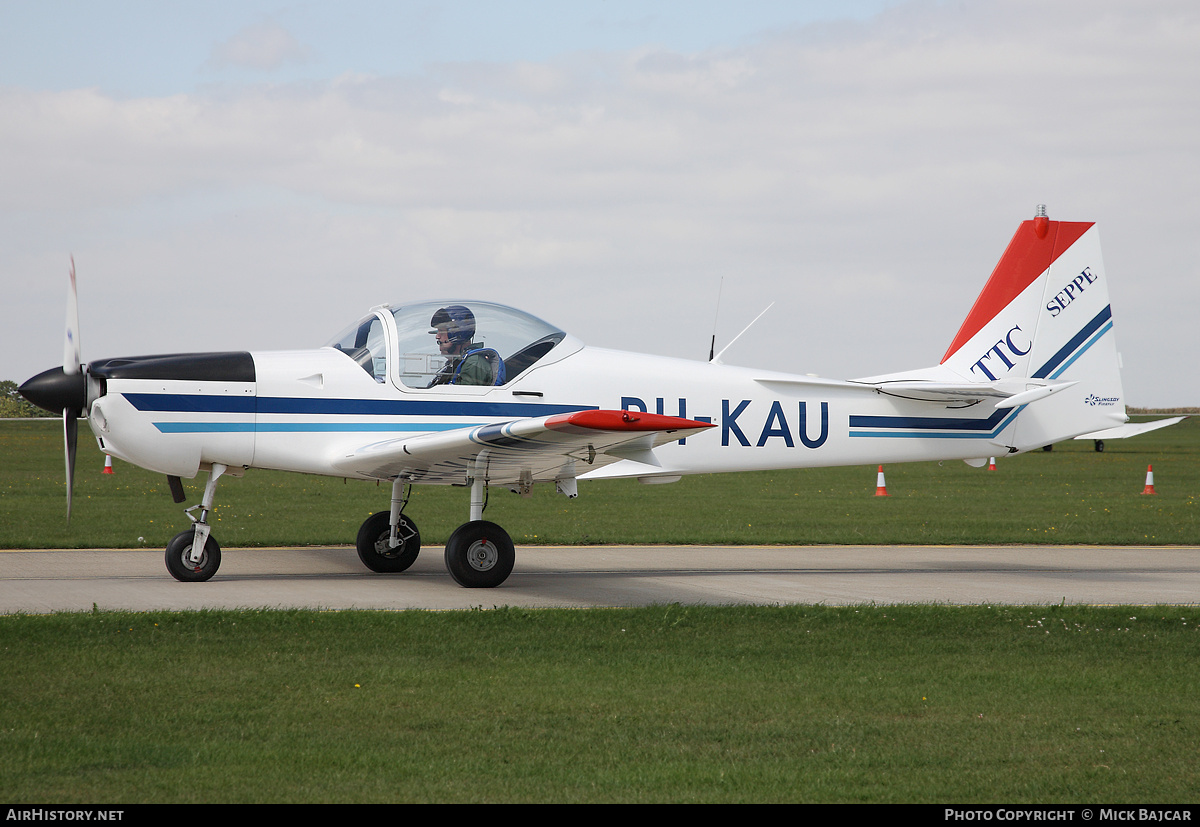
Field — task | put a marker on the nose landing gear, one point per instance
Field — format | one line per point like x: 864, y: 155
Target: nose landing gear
x: 193, y: 556
x: 186, y: 566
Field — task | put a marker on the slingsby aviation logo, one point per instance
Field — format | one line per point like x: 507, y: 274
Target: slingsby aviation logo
x: 1102, y: 401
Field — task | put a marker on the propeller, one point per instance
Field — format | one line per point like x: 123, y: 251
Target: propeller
x: 72, y: 362
x: 64, y: 389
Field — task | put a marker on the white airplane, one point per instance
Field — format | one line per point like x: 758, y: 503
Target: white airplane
x: 496, y: 397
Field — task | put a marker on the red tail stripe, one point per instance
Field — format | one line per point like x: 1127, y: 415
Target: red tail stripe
x: 1027, y: 257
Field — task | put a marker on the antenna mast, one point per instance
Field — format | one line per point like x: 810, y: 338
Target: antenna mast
x: 712, y: 346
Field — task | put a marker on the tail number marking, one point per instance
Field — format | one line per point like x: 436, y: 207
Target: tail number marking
x: 775, y: 426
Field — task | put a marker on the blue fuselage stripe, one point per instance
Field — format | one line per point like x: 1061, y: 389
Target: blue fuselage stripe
x: 191, y: 403
x: 204, y: 403
x: 304, y: 427
x: 927, y: 428
x: 929, y: 423
x: 311, y: 415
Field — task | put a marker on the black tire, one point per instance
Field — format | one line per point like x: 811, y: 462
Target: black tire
x: 480, y: 555
x: 181, y: 568
x: 1099, y: 446
x: 372, y: 543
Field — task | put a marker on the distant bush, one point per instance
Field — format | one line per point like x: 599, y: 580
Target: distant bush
x: 13, y: 405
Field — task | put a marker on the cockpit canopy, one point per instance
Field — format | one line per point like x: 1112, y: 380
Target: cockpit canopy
x: 507, y: 340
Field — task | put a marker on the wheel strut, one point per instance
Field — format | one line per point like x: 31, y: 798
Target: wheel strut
x: 401, y: 491
x: 202, y: 528
x: 479, y: 554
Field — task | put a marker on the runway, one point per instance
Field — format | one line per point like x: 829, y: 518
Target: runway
x: 332, y: 578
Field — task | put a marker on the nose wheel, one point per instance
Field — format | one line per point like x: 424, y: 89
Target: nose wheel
x: 180, y: 560
x: 193, y: 556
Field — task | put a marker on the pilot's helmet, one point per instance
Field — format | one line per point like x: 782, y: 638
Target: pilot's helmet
x: 459, y: 321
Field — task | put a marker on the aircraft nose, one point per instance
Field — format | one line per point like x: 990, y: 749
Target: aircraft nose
x: 54, y: 390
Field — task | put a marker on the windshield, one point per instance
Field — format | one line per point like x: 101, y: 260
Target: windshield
x: 364, y: 342
x: 468, y: 343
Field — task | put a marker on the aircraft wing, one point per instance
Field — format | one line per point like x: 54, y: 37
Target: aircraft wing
x: 521, y: 450
x: 1131, y: 429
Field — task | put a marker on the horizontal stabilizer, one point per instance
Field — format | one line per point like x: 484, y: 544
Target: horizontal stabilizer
x: 944, y: 392
x: 1009, y: 393
x: 1132, y: 429
x: 1034, y: 394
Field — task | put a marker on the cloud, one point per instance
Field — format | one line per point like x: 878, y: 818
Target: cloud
x: 865, y: 176
x: 262, y: 47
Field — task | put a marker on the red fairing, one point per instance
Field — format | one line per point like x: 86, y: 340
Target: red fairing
x: 623, y: 421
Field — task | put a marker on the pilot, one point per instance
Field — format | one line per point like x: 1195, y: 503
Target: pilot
x: 454, y: 327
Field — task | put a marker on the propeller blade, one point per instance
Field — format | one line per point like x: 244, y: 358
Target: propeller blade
x: 72, y: 366
x: 70, y: 438
x: 72, y: 353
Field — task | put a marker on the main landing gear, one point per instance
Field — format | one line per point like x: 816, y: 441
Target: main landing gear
x: 388, y: 541
x: 479, y: 554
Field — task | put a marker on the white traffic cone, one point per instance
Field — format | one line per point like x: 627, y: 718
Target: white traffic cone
x: 880, y: 485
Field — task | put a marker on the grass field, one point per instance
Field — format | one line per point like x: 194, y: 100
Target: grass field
x: 925, y: 704
x: 1071, y: 495
x: 663, y: 704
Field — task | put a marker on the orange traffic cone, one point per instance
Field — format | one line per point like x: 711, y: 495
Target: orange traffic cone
x: 880, y: 485
x: 1149, y: 489
x: 991, y: 463
x: 107, y: 465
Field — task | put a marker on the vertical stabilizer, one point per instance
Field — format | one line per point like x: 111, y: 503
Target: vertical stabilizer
x: 1044, y: 317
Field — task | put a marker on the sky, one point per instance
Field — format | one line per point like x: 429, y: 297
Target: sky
x: 257, y: 175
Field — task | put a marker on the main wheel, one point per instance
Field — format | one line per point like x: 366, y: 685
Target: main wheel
x: 179, y: 552
x: 480, y: 555
x: 373, y: 547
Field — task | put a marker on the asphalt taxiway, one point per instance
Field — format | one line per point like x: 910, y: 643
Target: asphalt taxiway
x: 38, y: 581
